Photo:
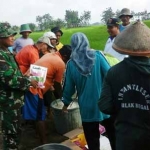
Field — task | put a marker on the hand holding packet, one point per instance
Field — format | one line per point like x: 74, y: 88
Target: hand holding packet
x: 38, y: 73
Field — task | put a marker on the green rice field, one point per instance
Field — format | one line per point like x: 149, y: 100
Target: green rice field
x: 97, y: 35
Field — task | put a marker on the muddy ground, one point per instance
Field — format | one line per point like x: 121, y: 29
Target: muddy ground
x: 29, y: 139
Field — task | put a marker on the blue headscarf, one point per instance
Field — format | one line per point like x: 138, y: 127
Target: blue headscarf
x: 82, y: 55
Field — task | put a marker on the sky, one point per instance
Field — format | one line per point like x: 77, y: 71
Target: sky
x: 18, y: 12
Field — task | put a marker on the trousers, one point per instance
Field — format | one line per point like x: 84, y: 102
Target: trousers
x: 11, y: 128
x: 92, y: 134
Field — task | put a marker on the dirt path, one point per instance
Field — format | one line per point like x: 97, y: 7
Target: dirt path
x: 29, y: 139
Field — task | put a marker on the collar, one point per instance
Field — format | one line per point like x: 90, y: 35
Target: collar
x: 112, y: 37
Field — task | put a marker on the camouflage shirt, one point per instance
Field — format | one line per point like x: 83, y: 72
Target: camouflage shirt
x: 12, y: 82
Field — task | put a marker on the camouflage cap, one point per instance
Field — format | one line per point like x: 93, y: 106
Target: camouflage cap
x: 6, y: 30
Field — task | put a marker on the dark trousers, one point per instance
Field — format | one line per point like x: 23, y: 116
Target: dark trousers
x: 92, y: 134
x: 48, y: 98
x: 110, y: 131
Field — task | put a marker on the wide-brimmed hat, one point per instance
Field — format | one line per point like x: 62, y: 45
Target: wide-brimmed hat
x: 45, y: 40
x: 125, y: 12
x: 134, y: 40
x: 56, y: 29
x: 25, y: 28
x: 50, y: 35
x: 6, y: 30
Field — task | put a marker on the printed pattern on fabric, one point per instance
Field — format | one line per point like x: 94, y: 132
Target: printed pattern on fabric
x: 11, y: 98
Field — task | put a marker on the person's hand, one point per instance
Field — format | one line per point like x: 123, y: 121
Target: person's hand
x: 27, y: 74
x: 51, y: 88
x: 64, y: 109
x: 34, y: 83
x: 14, y: 53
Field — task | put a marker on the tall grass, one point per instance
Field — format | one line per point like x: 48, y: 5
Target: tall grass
x: 97, y: 35
x: 147, y: 22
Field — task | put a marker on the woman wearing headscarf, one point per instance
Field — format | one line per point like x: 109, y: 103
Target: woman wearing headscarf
x: 85, y: 73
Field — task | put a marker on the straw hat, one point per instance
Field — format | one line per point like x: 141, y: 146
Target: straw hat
x: 134, y: 40
x: 125, y: 12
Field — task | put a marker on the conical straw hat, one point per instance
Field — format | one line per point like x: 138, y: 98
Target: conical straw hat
x: 134, y: 40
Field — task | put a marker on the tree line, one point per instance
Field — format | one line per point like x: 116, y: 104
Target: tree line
x: 73, y: 19
x: 108, y: 13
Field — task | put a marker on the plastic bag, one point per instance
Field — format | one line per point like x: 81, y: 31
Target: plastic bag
x: 102, y: 129
x: 104, y: 143
x: 38, y: 73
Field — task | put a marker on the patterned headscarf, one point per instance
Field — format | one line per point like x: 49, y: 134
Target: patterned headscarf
x: 82, y: 55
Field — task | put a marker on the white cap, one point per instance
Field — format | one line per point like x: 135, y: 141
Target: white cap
x: 50, y: 35
x: 45, y: 40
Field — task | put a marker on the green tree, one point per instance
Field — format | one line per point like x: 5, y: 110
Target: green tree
x: 32, y: 26
x: 40, y: 23
x: 106, y: 14
x: 59, y: 23
x: 47, y: 21
x: 15, y: 28
x: 72, y: 18
x: 44, y: 22
x: 117, y: 13
x: 85, y: 18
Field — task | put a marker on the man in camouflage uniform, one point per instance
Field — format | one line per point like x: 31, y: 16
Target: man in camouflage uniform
x: 12, y: 87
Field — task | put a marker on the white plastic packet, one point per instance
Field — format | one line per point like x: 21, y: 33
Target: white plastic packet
x: 38, y: 73
x: 104, y: 143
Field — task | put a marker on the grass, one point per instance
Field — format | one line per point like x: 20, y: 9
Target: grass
x: 97, y: 35
x: 147, y: 22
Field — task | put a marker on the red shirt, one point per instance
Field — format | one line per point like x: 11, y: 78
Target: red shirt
x: 27, y: 56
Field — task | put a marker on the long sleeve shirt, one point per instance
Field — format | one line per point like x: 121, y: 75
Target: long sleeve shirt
x: 12, y: 82
x: 88, y: 88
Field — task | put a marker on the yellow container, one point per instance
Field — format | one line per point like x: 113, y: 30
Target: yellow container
x: 81, y: 139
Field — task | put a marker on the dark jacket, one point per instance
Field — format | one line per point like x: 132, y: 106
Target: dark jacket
x: 126, y: 94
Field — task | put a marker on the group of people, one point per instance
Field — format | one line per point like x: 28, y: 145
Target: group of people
x: 117, y: 97
x: 19, y: 92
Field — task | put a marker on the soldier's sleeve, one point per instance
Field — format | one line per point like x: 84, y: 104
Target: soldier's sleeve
x: 10, y: 75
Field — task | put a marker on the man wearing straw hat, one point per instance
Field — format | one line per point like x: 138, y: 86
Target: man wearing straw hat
x: 24, y: 40
x: 128, y: 89
x: 125, y: 18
